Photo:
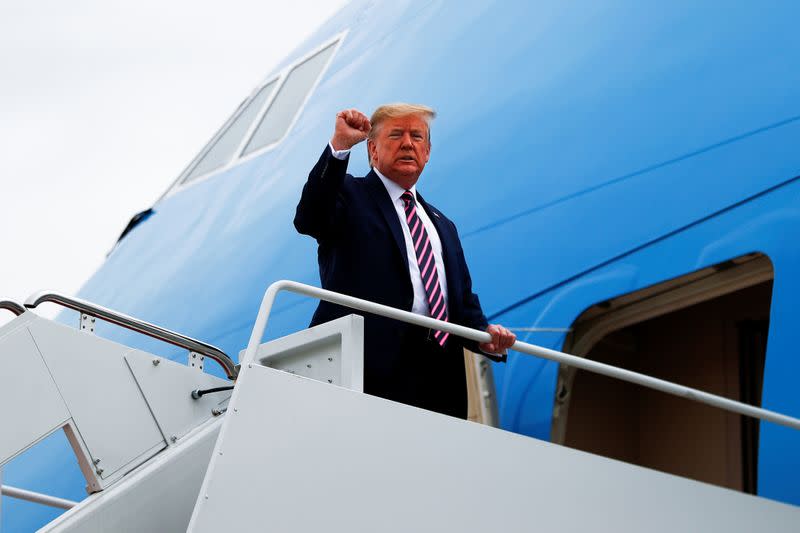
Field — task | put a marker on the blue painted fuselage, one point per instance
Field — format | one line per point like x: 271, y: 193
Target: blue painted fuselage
x: 584, y: 149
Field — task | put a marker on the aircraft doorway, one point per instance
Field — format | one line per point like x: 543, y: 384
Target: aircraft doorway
x: 706, y: 330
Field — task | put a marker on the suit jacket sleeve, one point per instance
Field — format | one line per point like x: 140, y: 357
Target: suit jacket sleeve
x: 321, y: 207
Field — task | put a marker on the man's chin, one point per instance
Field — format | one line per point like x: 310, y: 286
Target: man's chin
x: 403, y: 177
x: 407, y: 169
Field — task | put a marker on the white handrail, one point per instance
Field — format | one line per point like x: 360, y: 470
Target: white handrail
x: 481, y: 336
x: 36, y: 497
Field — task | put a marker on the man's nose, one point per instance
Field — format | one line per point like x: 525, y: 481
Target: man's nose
x: 406, y: 141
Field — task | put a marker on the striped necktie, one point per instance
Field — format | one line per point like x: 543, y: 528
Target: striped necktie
x: 427, y: 265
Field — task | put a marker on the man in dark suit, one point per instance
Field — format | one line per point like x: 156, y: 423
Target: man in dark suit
x: 379, y: 240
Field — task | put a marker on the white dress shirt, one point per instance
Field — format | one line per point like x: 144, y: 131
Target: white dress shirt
x: 420, y: 305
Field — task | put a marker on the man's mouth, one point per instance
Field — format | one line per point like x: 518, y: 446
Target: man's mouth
x: 406, y: 158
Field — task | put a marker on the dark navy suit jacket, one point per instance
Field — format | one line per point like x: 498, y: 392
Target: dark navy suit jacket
x: 362, y: 253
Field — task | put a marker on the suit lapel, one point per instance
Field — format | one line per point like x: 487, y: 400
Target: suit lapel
x: 384, y: 203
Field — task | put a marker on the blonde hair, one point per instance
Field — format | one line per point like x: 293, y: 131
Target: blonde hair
x: 399, y: 109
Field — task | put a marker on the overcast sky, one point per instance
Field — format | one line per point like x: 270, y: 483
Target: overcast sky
x: 102, y: 104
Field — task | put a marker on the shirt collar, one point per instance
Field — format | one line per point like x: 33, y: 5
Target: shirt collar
x: 395, y: 191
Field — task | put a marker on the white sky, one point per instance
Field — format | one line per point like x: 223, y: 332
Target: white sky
x: 102, y: 104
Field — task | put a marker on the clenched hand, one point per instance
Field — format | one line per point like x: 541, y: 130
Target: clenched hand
x: 352, y: 127
x: 502, y: 339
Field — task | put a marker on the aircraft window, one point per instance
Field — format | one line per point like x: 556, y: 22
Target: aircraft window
x: 290, y: 98
x: 223, y: 148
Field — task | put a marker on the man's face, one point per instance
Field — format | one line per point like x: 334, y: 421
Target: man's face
x: 400, y: 149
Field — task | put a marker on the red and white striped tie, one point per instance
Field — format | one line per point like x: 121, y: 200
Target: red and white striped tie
x: 427, y: 265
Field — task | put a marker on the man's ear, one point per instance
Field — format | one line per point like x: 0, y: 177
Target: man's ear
x: 370, y: 150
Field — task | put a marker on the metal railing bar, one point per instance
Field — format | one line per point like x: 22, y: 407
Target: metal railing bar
x: 134, y: 324
x: 36, y: 497
x: 530, y: 349
x: 541, y: 330
x: 12, y: 306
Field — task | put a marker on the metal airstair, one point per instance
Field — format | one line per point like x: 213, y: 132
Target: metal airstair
x: 298, y: 446
x: 124, y: 411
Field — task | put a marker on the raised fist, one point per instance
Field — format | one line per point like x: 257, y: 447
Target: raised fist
x: 352, y: 127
